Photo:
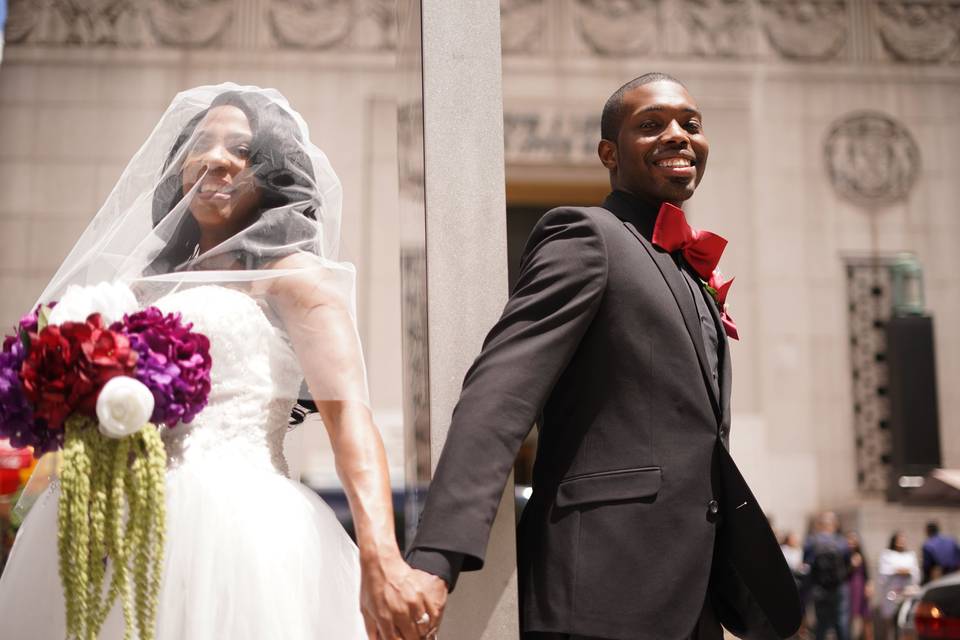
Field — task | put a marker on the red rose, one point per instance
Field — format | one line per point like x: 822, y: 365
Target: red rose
x: 68, y: 365
x: 47, y: 374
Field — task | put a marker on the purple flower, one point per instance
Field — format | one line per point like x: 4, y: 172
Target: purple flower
x: 174, y: 364
x: 17, y: 421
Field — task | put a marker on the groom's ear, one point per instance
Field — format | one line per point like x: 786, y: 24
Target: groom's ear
x: 607, y: 151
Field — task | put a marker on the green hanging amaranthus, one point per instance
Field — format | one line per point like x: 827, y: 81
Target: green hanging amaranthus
x: 111, y: 521
x: 95, y: 388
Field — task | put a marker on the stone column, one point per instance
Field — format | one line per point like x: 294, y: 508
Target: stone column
x: 450, y: 60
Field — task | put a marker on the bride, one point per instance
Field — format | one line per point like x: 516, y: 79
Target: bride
x: 229, y: 216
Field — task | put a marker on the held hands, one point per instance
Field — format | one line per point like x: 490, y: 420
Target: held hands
x: 435, y: 593
x: 397, y: 600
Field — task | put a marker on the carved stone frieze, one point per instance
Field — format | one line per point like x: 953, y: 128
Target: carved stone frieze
x: 119, y: 23
x: 23, y: 17
x: 911, y: 31
x: 190, y: 23
x: 377, y: 25
x: 872, y: 159
x: 302, y: 24
x: 618, y: 27
x: 718, y: 28
x: 919, y: 31
x: 523, y: 25
x: 311, y: 24
x: 806, y: 30
x: 551, y: 136
x: 74, y: 22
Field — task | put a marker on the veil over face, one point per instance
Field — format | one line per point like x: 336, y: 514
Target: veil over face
x: 229, y: 191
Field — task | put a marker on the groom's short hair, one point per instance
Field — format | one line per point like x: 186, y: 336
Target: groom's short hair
x: 612, y: 116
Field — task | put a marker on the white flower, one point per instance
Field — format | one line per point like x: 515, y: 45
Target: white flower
x: 110, y: 299
x: 123, y: 407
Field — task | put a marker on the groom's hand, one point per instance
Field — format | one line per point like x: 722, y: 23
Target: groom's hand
x: 435, y: 594
x: 393, y: 597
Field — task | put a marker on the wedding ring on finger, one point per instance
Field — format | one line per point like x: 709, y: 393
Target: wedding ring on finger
x: 424, y: 619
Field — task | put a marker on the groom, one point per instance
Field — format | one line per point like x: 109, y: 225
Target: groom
x: 640, y: 527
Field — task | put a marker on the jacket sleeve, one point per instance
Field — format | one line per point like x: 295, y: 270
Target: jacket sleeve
x: 563, y: 275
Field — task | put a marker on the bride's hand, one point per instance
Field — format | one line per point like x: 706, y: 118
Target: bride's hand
x: 393, y: 597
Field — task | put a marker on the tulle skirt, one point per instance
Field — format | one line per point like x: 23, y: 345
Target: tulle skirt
x: 250, y: 555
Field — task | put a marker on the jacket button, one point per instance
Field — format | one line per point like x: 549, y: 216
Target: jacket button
x: 724, y: 430
x: 713, y: 507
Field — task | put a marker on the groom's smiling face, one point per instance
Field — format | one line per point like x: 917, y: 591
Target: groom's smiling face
x: 661, y: 151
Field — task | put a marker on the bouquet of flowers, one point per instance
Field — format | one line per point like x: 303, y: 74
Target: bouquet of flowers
x: 94, y: 377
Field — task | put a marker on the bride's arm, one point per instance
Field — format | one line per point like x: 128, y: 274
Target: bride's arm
x: 316, y: 316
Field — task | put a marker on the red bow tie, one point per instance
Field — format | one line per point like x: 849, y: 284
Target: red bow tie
x: 701, y: 250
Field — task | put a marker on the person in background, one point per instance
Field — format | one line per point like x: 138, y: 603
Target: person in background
x: 827, y: 554
x: 793, y: 553
x: 941, y: 553
x: 860, y: 590
x: 899, y: 575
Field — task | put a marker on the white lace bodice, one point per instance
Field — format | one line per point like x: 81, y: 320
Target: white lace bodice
x: 255, y: 380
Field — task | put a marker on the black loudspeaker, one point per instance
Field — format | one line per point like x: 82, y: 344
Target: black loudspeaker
x: 912, y: 388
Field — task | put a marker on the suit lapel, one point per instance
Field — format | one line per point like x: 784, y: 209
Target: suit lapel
x: 724, y: 364
x: 681, y: 293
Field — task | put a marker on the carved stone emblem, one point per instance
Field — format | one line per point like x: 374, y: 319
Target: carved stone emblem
x: 618, y: 27
x: 919, y: 32
x: 807, y: 30
x: 871, y: 158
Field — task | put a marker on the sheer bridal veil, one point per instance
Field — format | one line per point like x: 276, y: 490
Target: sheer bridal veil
x: 228, y: 190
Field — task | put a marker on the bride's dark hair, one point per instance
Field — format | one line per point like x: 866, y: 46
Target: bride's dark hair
x: 283, y: 174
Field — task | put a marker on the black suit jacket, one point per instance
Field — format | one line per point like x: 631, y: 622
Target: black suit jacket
x: 637, y: 507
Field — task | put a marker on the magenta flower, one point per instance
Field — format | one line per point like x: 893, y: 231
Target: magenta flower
x: 28, y: 323
x: 174, y: 363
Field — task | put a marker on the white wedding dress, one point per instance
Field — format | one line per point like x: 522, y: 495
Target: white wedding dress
x: 250, y: 554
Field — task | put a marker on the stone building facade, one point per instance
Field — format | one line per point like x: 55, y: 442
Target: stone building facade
x: 833, y: 127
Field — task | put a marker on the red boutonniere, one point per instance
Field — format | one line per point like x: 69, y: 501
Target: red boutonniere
x: 718, y: 289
